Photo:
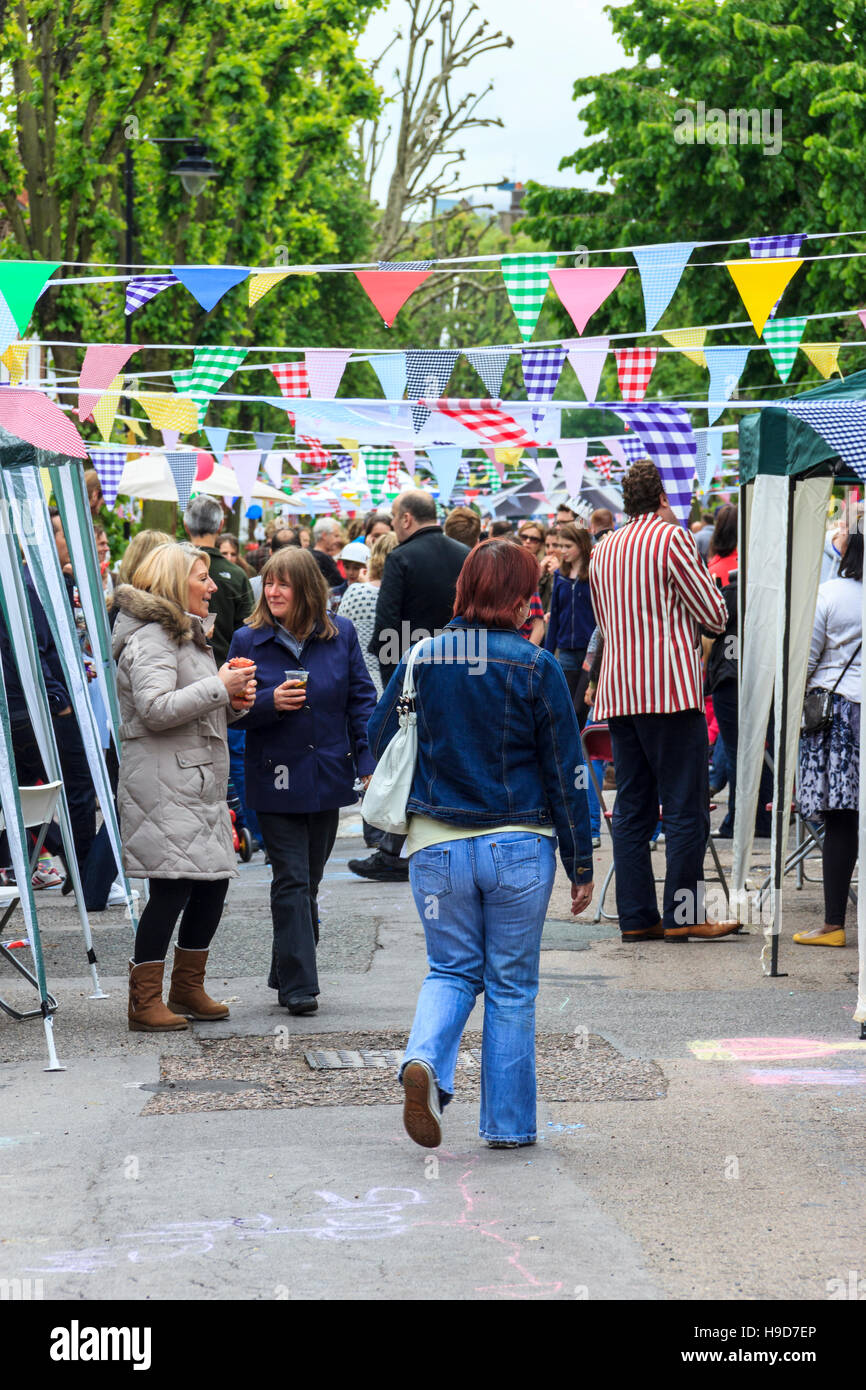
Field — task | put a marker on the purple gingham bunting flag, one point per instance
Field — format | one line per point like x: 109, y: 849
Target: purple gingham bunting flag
x: 406, y: 265
x: 490, y: 365
x: 666, y: 432
x: 786, y: 245
x: 542, y: 368
x: 141, y: 288
x: 632, y: 446
x: 427, y: 375
x: 660, y: 270
x: 109, y: 465
x: 841, y: 424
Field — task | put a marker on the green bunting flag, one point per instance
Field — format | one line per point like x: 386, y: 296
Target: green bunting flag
x: 782, y: 337
x: 21, y: 283
x: 376, y: 463
x: 212, y: 366
x: 526, y: 280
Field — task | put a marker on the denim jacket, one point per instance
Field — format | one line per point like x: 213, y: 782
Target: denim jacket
x: 498, y: 742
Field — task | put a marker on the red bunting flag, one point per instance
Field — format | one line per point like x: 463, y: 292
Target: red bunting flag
x: 389, y: 289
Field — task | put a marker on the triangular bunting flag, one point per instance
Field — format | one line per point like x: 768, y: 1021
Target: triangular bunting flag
x: 106, y: 407
x: 390, y: 369
x: 166, y: 411
x: 726, y: 367
x: 708, y: 462
x: 262, y: 281
x: 273, y: 469
x: 170, y: 438
x: 109, y: 465
x: 666, y: 432
x: 841, y: 424
x: 325, y: 367
x: 601, y: 463
x: 632, y: 447
x: 861, y: 314
x: 824, y: 356
x: 614, y: 448
x: 526, y: 280
x: 183, y: 466
x: 8, y: 326
x: 217, y: 439
x: 427, y: 375
x: 208, y: 283
x: 498, y: 463
x: 445, y: 461
x: 406, y: 455
x: 142, y: 288
x: 34, y: 418
x: 101, y: 364
x: 490, y: 365
x: 546, y: 468
x: 15, y: 360
x: 389, y: 289
x: 245, y: 464
x: 634, y: 367
x: 689, y: 341
x: 264, y: 441
x: 786, y: 245
x: 541, y: 371
x: 508, y: 457
x: 494, y: 481
x: 761, y: 284
x: 584, y: 289
x: 211, y: 367
x: 376, y: 463
x: 493, y: 425
x: 572, y: 456
x: 21, y: 283
x: 587, y: 357
x: 660, y: 270
x: 292, y: 378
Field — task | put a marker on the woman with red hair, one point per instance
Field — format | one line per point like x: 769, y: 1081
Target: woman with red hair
x: 499, y: 780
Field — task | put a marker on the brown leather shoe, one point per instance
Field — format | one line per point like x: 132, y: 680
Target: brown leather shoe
x: 147, y: 1013
x: 187, y: 994
x: 651, y: 934
x: 702, y: 931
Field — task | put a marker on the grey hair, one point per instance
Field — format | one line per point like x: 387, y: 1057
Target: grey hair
x: 203, y: 516
x: 323, y: 526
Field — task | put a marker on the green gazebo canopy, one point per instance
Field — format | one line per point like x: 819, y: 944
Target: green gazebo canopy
x: 772, y: 441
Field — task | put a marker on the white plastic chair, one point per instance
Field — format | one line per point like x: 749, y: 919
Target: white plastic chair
x: 37, y: 809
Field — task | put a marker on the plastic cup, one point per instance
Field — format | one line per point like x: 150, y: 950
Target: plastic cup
x: 299, y: 677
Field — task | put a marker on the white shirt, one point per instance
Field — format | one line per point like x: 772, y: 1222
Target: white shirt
x: 837, y: 631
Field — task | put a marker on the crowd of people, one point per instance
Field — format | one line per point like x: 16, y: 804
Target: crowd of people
x: 278, y: 671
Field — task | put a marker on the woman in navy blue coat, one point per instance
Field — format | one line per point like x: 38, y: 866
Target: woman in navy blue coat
x: 306, y: 744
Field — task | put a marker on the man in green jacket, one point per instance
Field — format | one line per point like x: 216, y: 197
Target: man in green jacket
x: 233, y: 600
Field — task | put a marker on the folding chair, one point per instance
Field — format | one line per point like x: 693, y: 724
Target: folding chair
x: 597, y: 747
x: 796, y: 858
x: 37, y: 809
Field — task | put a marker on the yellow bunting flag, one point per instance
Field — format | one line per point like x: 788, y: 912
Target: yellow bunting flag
x: 14, y: 358
x: 169, y: 412
x: 45, y: 478
x: 824, y: 356
x: 106, y: 408
x: 135, y: 429
x: 761, y: 283
x: 351, y: 447
x: 509, y: 457
x: 689, y: 341
x: 263, y: 282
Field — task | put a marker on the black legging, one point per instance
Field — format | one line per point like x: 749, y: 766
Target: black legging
x: 841, y: 830
x: 201, y: 902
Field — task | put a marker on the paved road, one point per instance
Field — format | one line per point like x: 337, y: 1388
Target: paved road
x: 218, y: 1164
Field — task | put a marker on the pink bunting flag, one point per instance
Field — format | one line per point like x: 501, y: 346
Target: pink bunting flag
x: 634, y: 367
x: 389, y: 289
x: 861, y: 314
x: 31, y: 416
x: 500, y: 467
x: 170, y: 438
x: 245, y: 464
x: 587, y: 357
x: 101, y: 364
x: 584, y: 289
x: 325, y: 367
x: 615, y: 449
x: 545, y: 469
x: 407, y: 456
x: 572, y: 456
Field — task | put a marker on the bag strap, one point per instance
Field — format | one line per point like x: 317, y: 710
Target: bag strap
x: 409, y: 678
x: 847, y: 664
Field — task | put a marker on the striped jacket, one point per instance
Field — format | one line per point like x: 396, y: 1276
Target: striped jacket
x: 652, y: 594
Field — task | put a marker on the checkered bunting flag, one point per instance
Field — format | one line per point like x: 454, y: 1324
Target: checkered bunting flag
x: 292, y: 378
x: 315, y: 455
x: 376, y: 464
x: 660, y: 268
x: 109, y: 465
x: 602, y: 464
x: 634, y: 367
x: 782, y: 337
x: 406, y: 265
x: 427, y: 374
x: 211, y: 367
x: 142, y: 288
x: 841, y: 424
x: 542, y: 368
x: 183, y: 466
x: 666, y: 432
x: 490, y: 366
x: 526, y: 280
x: 493, y: 425
x: 632, y: 447
x: 786, y: 245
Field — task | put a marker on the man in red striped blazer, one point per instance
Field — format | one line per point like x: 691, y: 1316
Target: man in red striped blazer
x: 652, y: 594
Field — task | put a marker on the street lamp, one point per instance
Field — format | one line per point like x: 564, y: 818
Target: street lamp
x: 195, y: 169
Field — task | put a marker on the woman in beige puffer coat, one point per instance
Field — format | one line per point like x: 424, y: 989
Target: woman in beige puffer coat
x: 174, y: 819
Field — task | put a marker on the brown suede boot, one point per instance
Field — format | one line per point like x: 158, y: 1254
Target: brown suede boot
x: 186, y: 994
x: 147, y: 1013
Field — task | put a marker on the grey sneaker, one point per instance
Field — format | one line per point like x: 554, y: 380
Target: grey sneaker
x: 422, y: 1118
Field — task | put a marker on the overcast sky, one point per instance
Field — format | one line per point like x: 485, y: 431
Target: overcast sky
x: 555, y: 42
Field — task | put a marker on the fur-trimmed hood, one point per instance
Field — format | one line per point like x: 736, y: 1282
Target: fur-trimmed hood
x: 138, y: 608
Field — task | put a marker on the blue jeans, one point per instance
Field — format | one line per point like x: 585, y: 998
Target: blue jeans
x: 237, y: 741
x: 483, y: 902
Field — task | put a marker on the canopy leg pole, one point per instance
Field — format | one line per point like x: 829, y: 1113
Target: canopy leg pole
x: 53, y: 1064
x: 782, y: 741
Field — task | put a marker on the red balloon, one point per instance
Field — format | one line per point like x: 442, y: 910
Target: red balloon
x: 204, y: 465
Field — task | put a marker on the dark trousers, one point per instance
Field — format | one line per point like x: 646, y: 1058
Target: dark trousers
x: 298, y: 846
x: 390, y: 847
x: 660, y: 760
x: 201, y: 901
x: 725, y: 706
x: 841, y: 833
x: 77, y: 781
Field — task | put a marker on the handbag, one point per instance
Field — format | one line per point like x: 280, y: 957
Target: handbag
x: 818, y: 704
x: 389, y: 788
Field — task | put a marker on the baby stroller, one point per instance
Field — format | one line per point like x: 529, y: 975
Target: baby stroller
x: 241, y: 837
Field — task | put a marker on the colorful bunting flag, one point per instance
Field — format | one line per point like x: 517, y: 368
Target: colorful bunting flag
x: 264, y: 440
x: 292, y: 378
x: 660, y: 268
x: 211, y: 367
x: 325, y: 367
x: 390, y: 369
x: 584, y: 289
x: 183, y: 465
x: 542, y: 368
x: 689, y: 341
x: 245, y: 466
x: 526, y: 280
x: 824, y: 356
x: 427, y: 375
x: 494, y: 426
x: 376, y: 463
x: 545, y: 468
x: 761, y: 284
x: 615, y: 449
x: 572, y: 456
x: 263, y: 281
x: 208, y: 283
x: 15, y: 360
x: 21, y: 283
x: 490, y: 364
x: 406, y: 455
x: 169, y: 439
x: 106, y: 407
x: 445, y: 460
x: 142, y: 288
x: 634, y: 367
x: 786, y: 245
x: 726, y: 366
x: 31, y: 416
x: 273, y: 469
x: 109, y: 465
x: 841, y: 424
x: 633, y: 447
x: 602, y: 463
x: 166, y: 411
x: 587, y: 357
x: 389, y: 289
x: 101, y: 364
x: 405, y: 265
x: 708, y: 461
x: 315, y: 455
x: 8, y: 327
x: 666, y: 432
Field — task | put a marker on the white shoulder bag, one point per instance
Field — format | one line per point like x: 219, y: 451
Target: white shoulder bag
x: 389, y: 788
